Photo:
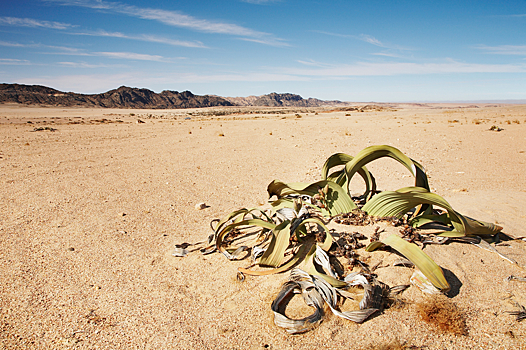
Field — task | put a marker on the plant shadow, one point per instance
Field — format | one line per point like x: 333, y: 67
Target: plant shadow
x: 454, y: 283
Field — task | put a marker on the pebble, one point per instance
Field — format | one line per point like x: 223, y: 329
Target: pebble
x: 200, y: 206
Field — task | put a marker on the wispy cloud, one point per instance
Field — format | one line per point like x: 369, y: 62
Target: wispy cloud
x: 335, y: 34
x: 177, y: 19
x: 371, y: 40
x: 73, y: 51
x: 366, y: 38
x: 504, y: 49
x: 313, y: 63
x: 117, y: 55
x: 13, y: 61
x: 11, y: 44
x: 400, y: 68
x: 387, y: 54
x: 274, y: 42
x: 33, y: 23
x: 144, y: 37
x: 89, y: 65
x: 132, y: 56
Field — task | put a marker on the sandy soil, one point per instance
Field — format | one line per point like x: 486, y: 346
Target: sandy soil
x: 90, y: 214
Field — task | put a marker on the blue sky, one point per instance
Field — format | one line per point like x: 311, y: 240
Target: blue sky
x: 347, y: 50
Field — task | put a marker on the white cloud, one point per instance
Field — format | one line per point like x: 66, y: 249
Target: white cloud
x: 12, y: 61
x: 387, y: 54
x: 132, y: 56
x: 274, y: 42
x: 62, y: 50
x: 314, y: 63
x: 504, y: 49
x: 397, y: 68
x: 33, y: 23
x: 371, y: 40
x: 177, y: 19
x: 366, y: 38
x: 144, y: 37
x: 88, y: 65
x: 11, y: 44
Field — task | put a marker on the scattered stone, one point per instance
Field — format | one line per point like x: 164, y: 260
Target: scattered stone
x: 179, y: 252
x: 495, y: 128
x: 460, y: 190
x: 201, y: 206
x: 47, y: 128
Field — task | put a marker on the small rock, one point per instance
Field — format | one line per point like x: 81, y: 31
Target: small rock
x: 122, y: 214
x: 180, y: 252
x: 140, y: 121
x: 71, y: 249
x: 200, y: 206
x: 460, y: 190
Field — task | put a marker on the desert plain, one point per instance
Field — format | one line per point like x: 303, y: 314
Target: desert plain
x: 93, y: 202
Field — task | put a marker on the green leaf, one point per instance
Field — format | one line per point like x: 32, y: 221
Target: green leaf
x: 371, y: 153
x: 340, y: 177
x: 258, y: 222
x: 279, y: 243
x: 397, y: 203
x: 426, y: 219
x: 305, y: 248
x: 411, y: 251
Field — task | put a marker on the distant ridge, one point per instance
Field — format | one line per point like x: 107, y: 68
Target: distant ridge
x: 127, y: 97
x: 282, y: 100
x: 123, y: 97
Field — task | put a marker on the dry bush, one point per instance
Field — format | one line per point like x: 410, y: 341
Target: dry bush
x: 444, y: 314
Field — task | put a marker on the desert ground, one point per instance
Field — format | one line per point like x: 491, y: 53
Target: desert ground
x: 93, y: 202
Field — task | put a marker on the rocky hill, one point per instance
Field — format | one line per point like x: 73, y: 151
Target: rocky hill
x: 282, y: 100
x: 123, y: 97
x: 127, y: 97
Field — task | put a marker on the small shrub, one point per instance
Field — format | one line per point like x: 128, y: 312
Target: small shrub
x: 441, y: 312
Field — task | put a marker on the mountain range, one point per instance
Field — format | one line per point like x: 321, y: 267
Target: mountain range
x: 127, y: 97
